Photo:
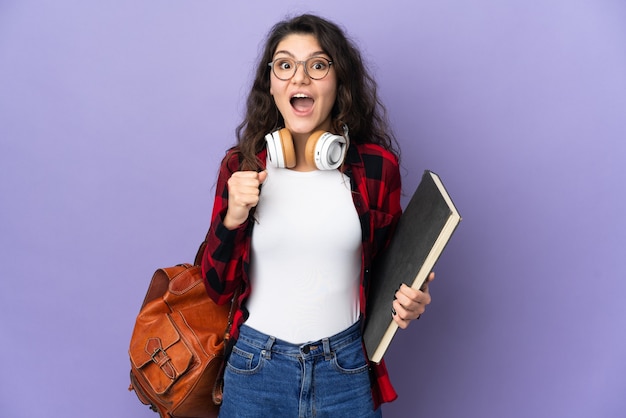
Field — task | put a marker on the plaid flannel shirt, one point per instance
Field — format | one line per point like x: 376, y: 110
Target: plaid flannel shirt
x: 376, y: 185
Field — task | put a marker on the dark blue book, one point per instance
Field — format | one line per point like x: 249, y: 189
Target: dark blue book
x: 423, y: 231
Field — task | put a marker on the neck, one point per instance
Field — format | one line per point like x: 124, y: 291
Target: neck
x: 299, y: 143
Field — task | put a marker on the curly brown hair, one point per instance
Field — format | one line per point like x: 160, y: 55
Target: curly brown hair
x: 357, y: 104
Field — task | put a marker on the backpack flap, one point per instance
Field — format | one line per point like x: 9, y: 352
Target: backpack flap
x: 157, y: 350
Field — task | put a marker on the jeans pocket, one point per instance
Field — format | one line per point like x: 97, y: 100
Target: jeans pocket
x: 350, y: 359
x: 245, y: 360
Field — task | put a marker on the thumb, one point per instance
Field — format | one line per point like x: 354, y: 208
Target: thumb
x: 262, y: 176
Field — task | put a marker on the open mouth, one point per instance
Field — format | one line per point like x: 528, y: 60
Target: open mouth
x: 301, y: 102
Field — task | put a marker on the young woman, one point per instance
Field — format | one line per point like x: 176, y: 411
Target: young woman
x: 304, y: 204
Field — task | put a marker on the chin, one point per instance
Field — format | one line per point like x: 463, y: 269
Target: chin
x: 307, y: 128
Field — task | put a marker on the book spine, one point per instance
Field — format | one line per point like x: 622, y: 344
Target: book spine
x: 384, y: 342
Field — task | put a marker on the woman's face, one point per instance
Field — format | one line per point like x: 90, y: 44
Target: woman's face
x: 304, y: 103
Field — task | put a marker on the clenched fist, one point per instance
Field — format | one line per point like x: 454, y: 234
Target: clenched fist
x: 243, y: 195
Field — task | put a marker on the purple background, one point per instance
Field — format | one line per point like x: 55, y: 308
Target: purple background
x: 114, y: 116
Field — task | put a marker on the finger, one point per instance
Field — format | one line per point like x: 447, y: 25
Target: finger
x: 408, y: 292
x: 411, y: 299
x: 407, y: 295
x: 401, y: 316
x: 429, y: 279
x: 408, y: 308
x: 244, y: 187
x: 403, y: 324
x: 246, y: 174
x: 241, y: 181
x: 243, y: 194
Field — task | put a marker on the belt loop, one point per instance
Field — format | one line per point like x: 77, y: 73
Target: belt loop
x: 327, y: 354
x: 267, y: 351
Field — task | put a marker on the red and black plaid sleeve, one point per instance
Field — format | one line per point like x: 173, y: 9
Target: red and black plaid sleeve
x: 224, y: 255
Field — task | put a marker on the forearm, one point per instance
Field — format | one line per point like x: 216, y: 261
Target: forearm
x: 222, y: 260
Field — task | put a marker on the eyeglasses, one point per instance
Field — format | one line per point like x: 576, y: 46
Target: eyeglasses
x: 315, y: 68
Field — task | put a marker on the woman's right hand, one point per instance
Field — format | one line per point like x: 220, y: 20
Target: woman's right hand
x: 243, y: 195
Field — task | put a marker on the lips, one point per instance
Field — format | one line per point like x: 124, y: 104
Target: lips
x: 301, y: 103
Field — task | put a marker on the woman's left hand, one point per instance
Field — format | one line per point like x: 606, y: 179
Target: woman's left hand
x: 409, y: 303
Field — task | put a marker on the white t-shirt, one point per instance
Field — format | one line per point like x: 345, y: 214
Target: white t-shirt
x: 306, y: 256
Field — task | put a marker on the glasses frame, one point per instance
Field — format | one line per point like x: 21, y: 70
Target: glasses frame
x: 295, y: 68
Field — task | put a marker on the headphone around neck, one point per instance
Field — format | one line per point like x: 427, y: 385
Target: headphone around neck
x: 323, y: 149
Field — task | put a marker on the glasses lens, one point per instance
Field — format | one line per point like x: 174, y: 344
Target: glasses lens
x: 317, y: 67
x: 284, y: 68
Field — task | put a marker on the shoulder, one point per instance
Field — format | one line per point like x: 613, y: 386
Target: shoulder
x: 233, y: 159
x: 375, y: 151
x: 378, y: 162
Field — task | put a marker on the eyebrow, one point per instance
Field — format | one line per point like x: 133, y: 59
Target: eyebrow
x: 313, y: 54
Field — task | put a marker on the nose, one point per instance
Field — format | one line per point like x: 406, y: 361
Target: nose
x: 300, y: 75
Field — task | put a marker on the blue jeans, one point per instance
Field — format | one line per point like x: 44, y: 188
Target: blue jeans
x: 267, y: 377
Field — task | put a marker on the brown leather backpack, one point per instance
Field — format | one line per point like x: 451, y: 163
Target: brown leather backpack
x: 177, y: 346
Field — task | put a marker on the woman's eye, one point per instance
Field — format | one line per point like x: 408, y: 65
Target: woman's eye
x: 318, y: 65
x: 284, y: 65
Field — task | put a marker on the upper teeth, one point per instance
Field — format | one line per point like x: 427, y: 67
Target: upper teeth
x: 300, y: 96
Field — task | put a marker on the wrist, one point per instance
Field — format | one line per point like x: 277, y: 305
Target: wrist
x: 232, y: 223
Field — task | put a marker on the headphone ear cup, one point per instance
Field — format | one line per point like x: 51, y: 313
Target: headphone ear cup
x: 280, y: 149
x: 325, y: 150
x: 289, y: 152
x: 311, y: 143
